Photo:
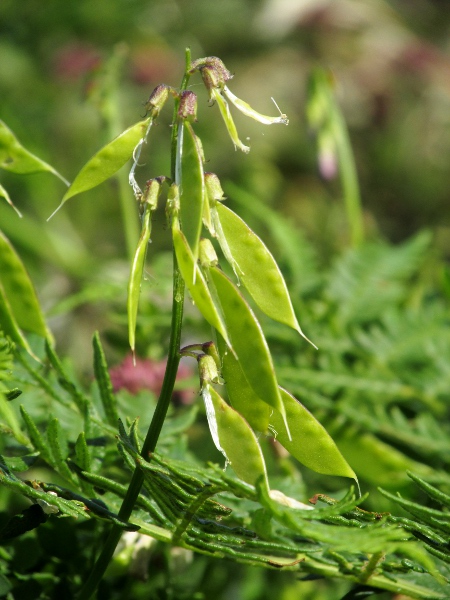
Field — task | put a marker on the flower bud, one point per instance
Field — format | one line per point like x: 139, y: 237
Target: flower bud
x: 210, y: 349
x: 212, y: 70
x: 327, y: 158
x: 213, y: 188
x: 151, y: 192
x: 187, y: 109
x: 206, y: 253
x: 207, y: 370
x: 157, y: 99
x: 173, y: 202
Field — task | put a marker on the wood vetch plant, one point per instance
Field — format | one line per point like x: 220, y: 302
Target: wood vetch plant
x: 237, y: 357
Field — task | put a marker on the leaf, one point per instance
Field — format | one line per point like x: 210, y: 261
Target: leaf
x: 14, y: 157
x: 54, y: 436
x: 103, y: 379
x: 251, y: 349
x: 236, y: 439
x: 192, y: 186
x: 36, y: 437
x: 19, y: 291
x: 255, y: 266
x: 107, y: 160
x: 83, y: 461
x: 310, y: 444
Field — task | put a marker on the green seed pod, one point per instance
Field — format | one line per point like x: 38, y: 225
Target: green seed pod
x: 228, y: 119
x: 255, y: 266
x: 191, y: 182
x: 253, y: 114
x: 235, y: 439
x: 196, y: 283
x: 108, y: 160
x: 251, y: 349
x: 310, y: 443
x: 137, y: 269
x: 241, y: 395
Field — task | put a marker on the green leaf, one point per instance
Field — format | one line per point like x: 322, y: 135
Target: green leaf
x: 36, y: 437
x: 311, y: 444
x: 107, y: 160
x: 240, y: 394
x: 248, y: 341
x: 255, y: 266
x: 191, y: 184
x: 19, y: 291
x: 103, y: 379
x: 83, y: 461
x: 236, y: 438
x: 14, y: 157
x: 83, y: 456
x: 54, y: 436
x: 199, y: 290
x: 20, y: 464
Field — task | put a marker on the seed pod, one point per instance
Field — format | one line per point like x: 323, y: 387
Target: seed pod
x: 250, y: 349
x: 253, y: 114
x: 191, y: 182
x: 241, y: 395
x: 255, y: 266
x: 137, y: 269
x: 198, y: 289
x: 107, y: 160
x: 310, y: 443
x: 235, y: 439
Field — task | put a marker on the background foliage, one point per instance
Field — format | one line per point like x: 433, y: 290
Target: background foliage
x: 72, y: 76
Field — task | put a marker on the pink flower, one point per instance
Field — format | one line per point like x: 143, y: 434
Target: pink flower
x: 148, y: 374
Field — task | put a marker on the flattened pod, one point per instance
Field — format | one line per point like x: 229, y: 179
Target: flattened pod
x: 240, y: 394
x: 255, y: 267
x: 192, y: 186
x: 108, y: 160
x: 199, y: 290
x: 248, y: 341
x: 237, y: 440
x: 310, y: 444
x: 137, y: 269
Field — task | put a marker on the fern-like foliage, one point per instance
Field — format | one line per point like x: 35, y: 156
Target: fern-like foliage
x: 203, y: 509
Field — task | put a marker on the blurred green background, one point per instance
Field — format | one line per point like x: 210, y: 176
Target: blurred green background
x: 74, y: 74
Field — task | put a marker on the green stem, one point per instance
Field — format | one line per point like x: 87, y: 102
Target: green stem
x: 111, y: 113
x: 349, y: 179
x: 159, y: 416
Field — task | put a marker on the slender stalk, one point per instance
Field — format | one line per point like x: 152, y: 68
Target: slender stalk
x: 159, y: 416
x: 111, y: 112
x: 349, y: 179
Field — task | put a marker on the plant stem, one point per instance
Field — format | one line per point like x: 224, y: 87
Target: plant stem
x: 349, y: 179
x: 159, y: 415
x: 111, y: 113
